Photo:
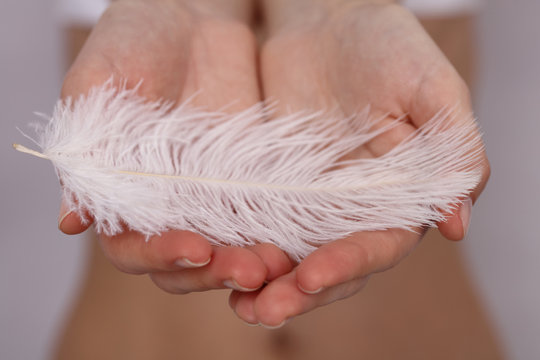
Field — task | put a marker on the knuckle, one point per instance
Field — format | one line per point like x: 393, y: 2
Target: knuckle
x: 357, y: 256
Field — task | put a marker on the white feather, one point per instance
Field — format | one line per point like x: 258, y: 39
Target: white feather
x: 243, y: 179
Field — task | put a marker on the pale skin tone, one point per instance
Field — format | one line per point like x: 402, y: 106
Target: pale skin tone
x: 344, y: 54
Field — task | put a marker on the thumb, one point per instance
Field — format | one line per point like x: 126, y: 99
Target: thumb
x: 435, y: 94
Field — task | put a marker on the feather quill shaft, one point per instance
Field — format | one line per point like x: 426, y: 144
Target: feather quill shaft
x: 246, y: 178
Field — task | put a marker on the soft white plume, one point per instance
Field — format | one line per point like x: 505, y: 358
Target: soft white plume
x: 243, y: 179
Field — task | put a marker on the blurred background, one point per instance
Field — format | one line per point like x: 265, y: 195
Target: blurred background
x: 41, y: 270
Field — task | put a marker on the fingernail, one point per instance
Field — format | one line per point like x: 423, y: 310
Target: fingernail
x: 188, y: 264
x: 311, y: 292
x: 232, y: 284
x: 465, y: 215
x: 275, y: 327
x: 64, y: 212
x: 250, y: 324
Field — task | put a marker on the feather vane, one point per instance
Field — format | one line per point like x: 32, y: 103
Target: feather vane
x: 243, y: 179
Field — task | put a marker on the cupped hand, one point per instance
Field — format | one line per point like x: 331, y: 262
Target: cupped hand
x: 178, y: 49
x: 350, y: 55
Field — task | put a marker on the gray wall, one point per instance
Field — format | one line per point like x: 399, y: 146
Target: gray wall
x: 504, y: 244
x: 40, y: 268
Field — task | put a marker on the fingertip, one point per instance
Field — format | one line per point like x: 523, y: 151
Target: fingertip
x: 450, y: 229
x: 240, y: 268
x: 233, y: 299
x: 185, y: 263
x: 309, y: 280
x: 243, y: 305
x: 277, y: 262
x: 280, y: 301
x: 454, y: 227
x: 234, y: 285
x: 185, y: 248
x: 328, y: 266
x: 71, y: 224
x: 309, y: 292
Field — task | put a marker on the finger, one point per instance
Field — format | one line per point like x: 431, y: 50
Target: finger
x: 118, y: 35
x: 445, y: 89
x: 282, y: 300
x: 231, y: 267
x: 276, y: 260
x: 70, y: 223
x: 176, y: 250
x: 354, y: 257
x: 437, y: 92
x: 277, y: 263
x: 456, y: 225
x: 108, y: 52
x: 243, y: 305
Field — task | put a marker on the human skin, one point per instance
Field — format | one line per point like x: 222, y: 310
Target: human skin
x: 349, y: 54
x: 178, y: 50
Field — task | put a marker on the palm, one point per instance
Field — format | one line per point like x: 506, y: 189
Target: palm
x: 362, y: 55
x: 175, y: 50
x: 178, y: 52
x: 359, y: 56
x: 354, y: 59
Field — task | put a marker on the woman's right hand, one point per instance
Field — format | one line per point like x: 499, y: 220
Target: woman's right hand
x: 178, y: 48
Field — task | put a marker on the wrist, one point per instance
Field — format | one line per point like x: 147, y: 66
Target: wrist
x: 240, y: 10
x: 282, y: 15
